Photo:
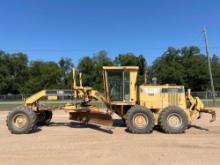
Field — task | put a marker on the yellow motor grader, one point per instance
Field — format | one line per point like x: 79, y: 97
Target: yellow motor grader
x: 141, y: 107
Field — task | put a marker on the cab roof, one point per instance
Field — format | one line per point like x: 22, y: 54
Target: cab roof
x: 120, y: 68
x: 162, y: 86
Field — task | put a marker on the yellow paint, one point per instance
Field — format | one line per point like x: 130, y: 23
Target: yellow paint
x: 35, y: 97
x: 51, y: 98
x: 156, y: 97
x: 153, y: 97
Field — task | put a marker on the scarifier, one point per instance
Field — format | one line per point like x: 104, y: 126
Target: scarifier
x: 141, y: 107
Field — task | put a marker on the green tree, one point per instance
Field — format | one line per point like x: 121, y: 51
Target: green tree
x: 66, y: 66
x: 86, y: 66
x: 5, y: 77
x: 131, y: 59
x: 100, y: 59
x: 42, y: 75
x: 185, y: 66
x: 168, y: 68
x: 215, y: 63
x: 13, y: 72
x: 195, y: 68
x: 91, y: 67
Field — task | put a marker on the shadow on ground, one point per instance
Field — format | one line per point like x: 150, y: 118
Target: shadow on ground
x: 116, y: 123
x: 80, y: 125
x: 36, y: 130
x: 198, y: 127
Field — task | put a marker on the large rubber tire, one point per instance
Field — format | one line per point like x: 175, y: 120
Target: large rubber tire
x: 179, y: 123
x: 15, y: 118
x: 44, y: 118
x: 145, y: 114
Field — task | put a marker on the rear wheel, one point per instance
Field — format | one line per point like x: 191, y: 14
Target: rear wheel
x: 173, y: 120
x: 44, y: 117
x: 139, y: 120
x: 21, y: 120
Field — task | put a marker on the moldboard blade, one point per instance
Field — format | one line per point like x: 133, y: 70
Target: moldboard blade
x: 100, y: 118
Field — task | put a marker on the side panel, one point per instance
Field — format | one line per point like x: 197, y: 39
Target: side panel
x: 151, y: 97
x: 159, y: 97
x: 133, y: 86
x: 176, y: 98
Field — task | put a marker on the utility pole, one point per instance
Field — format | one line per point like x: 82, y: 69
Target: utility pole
x: 209, y: 65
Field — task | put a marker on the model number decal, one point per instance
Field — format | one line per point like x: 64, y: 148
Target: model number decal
x: 150, y: 91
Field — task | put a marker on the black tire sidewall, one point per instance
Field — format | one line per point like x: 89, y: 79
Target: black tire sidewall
x: 147, y: 113
x: 15, y: 129
x: 164, y: 123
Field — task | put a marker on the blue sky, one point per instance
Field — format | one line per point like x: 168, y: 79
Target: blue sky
x: 50, y: 29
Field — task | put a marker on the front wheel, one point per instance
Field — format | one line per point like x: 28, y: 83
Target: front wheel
x: 173, y: 120
x: 21, y: 120
x: 139, y: 120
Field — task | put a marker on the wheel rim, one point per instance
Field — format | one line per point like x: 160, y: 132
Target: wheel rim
x: 140, y: 120
x: 174, y: 120
x: 20, y: 120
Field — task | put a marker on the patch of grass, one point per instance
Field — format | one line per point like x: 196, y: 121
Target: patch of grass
x: 209, y: 103
x: 10, y: 105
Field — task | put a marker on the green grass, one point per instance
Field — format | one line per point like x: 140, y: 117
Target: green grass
x: 209, y: 103
x: 10, y: 105
x: 6, y: 107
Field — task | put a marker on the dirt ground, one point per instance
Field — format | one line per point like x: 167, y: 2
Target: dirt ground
x: 67, y: 143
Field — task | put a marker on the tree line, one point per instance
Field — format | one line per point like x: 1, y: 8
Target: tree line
x: 182, y: 66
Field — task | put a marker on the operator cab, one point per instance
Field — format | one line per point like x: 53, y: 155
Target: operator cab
x: 120, y: 84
